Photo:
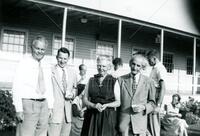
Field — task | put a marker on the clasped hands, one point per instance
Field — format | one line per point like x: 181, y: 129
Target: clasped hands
x: 100, y: 107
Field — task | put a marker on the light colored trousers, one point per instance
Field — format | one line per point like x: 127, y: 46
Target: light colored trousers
x: 59, y: 129
x: 129, y: 132
x: 35, y: 119
x: 154, y: 122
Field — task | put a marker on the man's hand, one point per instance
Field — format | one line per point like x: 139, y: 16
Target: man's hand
x: 69, y: 96
x: 157, y: 109
x: 81, y: 114
x: 20, y: 117
x: 138, y: 107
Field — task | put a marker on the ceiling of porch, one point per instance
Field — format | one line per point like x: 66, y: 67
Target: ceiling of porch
x: 12, y: 6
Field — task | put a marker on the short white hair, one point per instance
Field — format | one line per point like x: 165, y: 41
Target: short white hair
x: 40, y: 38
x: 103, y: 58
x: 144, y: 60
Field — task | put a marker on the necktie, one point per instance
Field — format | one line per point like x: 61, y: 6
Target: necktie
x: 41, y: 85
x: 64, y: 82
x: 134, y: 86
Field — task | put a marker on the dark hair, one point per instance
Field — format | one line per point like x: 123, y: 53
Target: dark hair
x: 80, y: 66
x: 153, y: 53
x: 64, y: 50
x: 177, y: 95
x: 117, y: 61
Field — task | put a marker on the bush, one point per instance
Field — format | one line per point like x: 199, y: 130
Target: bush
x: 191, y: 111
x: 191, y: 118
x: 7, y: 111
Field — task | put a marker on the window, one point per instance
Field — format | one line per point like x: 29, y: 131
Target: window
x: 13, y: 41
x: 69, y: 44
x: 168, y: 62
x: 140, y: 51
x: 105, y: 49
x: 189, y: 66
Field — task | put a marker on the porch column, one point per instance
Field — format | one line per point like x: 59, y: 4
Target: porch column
x: 119, y: 38
x: 161, y: 45
x: 194, y: 88
x: 64, y: 27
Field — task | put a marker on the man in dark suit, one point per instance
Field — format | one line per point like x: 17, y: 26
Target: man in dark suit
x: 137, y: 99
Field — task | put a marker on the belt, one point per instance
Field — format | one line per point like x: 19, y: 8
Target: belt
x: 38, y: 100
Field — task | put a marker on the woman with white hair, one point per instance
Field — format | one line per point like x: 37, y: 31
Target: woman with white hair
x: 102, y: 96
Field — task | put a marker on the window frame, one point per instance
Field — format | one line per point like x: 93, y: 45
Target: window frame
x: 189, y: 57
x: 25, y: 49
x: 173, y: 64
x: 67, y: 36
x: 107, y: 42
x: 138, y: 49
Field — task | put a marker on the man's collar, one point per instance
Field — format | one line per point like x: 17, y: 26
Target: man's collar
x: 66, y: 67
x: 99, y: 75
x: 156, y: 65
x: 137, y: 75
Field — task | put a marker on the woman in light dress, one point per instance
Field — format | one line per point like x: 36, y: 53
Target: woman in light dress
x: 172, y: 121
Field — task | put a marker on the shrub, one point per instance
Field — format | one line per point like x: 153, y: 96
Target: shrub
x: 7, y: 110
x: 191, y: 118
x: 191, y: 111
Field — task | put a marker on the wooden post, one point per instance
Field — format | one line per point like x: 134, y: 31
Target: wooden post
x: 64, y: 27
x: 119, y: 38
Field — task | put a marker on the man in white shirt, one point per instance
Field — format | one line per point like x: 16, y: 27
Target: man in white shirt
x: 78, y: 108
x: 158, y: 74
x: 32, y: 91
x: 118, y: 65
x: 64, y: 81
x: 82, y: 76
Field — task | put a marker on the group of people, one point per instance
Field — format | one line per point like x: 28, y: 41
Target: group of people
x: 54, y: 100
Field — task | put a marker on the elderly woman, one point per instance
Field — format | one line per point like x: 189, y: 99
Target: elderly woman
x: 172, y: 121
x: 102, y: 96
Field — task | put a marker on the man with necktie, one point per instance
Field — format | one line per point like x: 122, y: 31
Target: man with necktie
x: 137, y: 99
x: 64, y: 81
x: 32, y: 91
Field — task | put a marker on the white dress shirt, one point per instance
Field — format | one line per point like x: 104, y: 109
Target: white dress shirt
x: 26, y: 82
x: 158, y: 73
x: 137, y: 77
x: 82, y: 81
x: 117, y: 73
x: 60, y: 72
